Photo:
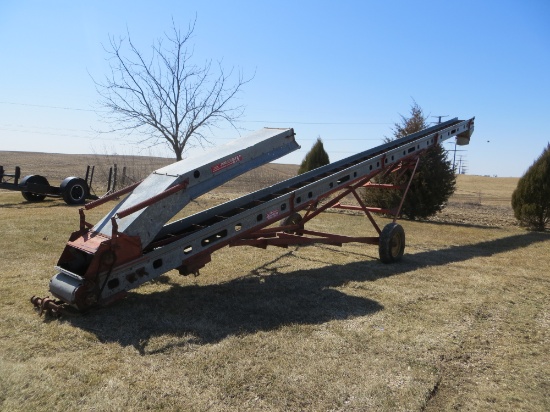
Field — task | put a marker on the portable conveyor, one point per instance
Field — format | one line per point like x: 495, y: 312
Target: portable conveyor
x: 133, y: 243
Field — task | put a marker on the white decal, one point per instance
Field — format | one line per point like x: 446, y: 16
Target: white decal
x: 226, y: 163
x: 272, y: 214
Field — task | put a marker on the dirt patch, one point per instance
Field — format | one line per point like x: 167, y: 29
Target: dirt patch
x: 474, y: 214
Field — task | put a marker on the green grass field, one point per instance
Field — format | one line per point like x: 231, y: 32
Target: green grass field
x: 461, y: 323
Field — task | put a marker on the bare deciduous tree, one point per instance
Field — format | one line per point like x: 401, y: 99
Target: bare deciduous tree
x: 165, y: 97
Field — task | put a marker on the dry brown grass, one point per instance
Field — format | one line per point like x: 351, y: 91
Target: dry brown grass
x: 461, y: 323
x: 55, y: 167
x: 484, y: 190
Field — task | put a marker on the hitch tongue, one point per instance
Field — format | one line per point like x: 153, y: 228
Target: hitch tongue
x: 50, y: 306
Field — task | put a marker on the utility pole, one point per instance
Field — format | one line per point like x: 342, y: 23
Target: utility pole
x: 439, y: 117
x: 456, y: 170
x: 454, y: 157
x: 462, y: 165
x: 454, y: 150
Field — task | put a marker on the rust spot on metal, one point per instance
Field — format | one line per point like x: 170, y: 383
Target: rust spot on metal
x: 51, y: 307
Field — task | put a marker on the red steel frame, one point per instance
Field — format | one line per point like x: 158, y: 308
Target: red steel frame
x: 296, y: 234
x: 281, y: 236
x: 260, y: 234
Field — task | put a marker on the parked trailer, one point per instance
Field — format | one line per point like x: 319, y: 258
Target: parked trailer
x: 35, y: 188
x: 73, y: 190
x: 133, y: 244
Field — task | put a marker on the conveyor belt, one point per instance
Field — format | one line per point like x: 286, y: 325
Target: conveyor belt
x: 207, y: 218
x: 96, y: 268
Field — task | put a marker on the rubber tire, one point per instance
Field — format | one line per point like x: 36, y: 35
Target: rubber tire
x: 293, y: 219
x: 35, y: 179
x: 392, y: 243
x: 74, y: 190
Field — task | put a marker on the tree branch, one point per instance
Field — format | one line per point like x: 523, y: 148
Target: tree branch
x: 166, y: 97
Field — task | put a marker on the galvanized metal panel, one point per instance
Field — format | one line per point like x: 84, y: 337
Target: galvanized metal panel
x: 203, y: 173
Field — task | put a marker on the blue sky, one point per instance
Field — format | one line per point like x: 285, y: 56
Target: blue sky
x: 344, y: 71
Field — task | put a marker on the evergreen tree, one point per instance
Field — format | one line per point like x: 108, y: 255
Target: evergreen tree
x: 531, y: 199
x: 433, y: 183
x: 315, y: 158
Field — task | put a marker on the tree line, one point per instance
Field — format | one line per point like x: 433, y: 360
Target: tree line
x: 165, y: 97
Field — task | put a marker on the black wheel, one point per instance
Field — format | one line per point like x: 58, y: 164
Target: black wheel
x: 37, y: 180
x: 74, y: 190
x: 293, y: 219
x: 392, y: 243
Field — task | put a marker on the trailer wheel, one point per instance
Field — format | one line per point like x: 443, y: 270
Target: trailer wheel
x: 392, y: 243
x: 294, y: 219
x: 74, y: 190
x: 33, y: 179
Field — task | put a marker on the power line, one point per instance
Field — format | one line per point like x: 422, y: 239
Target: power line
x: 439, y: 117
x: 11, y: 127
x: 319, y: 123
x: 98, y: 136
x: 49, y: 107
x: 239, y: 121
x: 95, y: 137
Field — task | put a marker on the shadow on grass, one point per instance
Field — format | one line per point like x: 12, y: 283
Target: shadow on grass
x: 49, y: 203
x: 460, y: 224
x: 265, y: 299
x: 208, y: 314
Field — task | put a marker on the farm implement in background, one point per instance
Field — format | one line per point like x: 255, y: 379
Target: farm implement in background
x: 133, y: 243
x: 74, y: 190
